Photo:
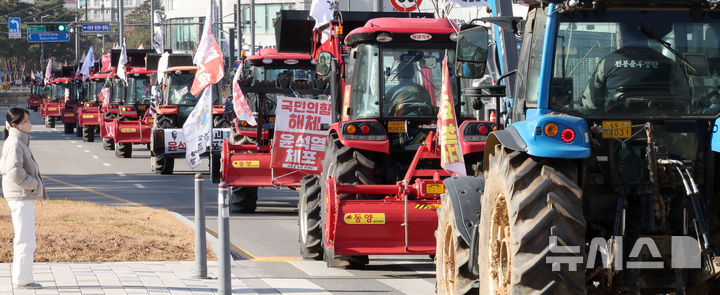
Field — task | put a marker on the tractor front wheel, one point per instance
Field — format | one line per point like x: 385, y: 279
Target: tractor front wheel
x: 79, y: 130
x: 50, y: 122
x: 309, y: 218
x: 108, y: 144
x: 164, y: 164
x: 244, y: 199
x: 452, y: 274
x: 69, y: 128
x: 88, y: 133
x: 123, y: 150
x: 529, y: 206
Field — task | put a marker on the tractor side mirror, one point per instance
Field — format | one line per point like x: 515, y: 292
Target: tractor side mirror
x: 471, y: 53
x: 322, y: 68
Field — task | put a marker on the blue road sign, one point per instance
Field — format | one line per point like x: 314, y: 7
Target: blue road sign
x: 96, y: 28
x: 14, y: 26
x: 48, y: 37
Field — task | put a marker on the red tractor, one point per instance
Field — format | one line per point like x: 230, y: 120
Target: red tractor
x: 269, y: 74
x: 62, y: 89
x: 88, y: 114
x: 37, y: 94
x: 174, y: 106
x: 381, y: 181
x: 132, y: 122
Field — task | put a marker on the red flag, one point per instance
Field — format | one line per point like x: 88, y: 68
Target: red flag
x: 451, y: 156
x: 242, y: 109
x: 105, y: 61
x: 105, y: 96
x: 208, y: 58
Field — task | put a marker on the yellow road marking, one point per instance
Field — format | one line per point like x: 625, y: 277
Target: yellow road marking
x: 240, y: 251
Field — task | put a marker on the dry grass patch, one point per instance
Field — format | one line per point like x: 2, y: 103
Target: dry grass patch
x: 69, y: 231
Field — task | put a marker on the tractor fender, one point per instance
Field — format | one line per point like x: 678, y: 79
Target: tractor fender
x: 715, y: 137
x: 464, y: 193
x: 382, y: 146
x: 508, y: 138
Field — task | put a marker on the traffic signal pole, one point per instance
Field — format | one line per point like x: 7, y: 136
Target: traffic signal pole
x: 121, y: 22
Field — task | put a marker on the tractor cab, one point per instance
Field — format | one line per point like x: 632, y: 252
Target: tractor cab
x: 177, y: 99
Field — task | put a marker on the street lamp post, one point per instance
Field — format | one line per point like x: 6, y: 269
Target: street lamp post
x: 42, y: 45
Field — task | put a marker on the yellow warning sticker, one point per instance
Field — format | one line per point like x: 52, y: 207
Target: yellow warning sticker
x: 364, y: 218
x: 52, y: 109
x: 396, y: 126
x: 128, y: 130
x: 68, y: 115
x: 435, y: 188
x: 88, y: 116
x: 246, y: 164
x: 427, y: 206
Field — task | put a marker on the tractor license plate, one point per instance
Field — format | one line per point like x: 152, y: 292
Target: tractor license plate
x: 68, y: 115
x: 616, y: 129
x: 396, y: 126
x: 128, y: 130
x: 246, y: 164
x: 435, y: 188
x: 88, y: 116
x: 52, y: 109
x: 364, y: 218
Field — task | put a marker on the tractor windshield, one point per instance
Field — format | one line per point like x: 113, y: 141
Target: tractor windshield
x: 58, y: 90
x: 139, y: 90
x: 96, y: 88
x: 40, y: 90
x: 398, y: 82
x: 118, y: 91
x: 179, y: 90
x: 277, y: 77
x: 637, y: 64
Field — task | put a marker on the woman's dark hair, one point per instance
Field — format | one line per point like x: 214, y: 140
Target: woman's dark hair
x: 14, y: 115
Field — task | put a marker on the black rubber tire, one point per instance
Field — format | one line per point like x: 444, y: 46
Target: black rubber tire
x: 88, y: 133
x: 215, y: 168
x: 164, y: 164
x: 108, y: 144
x: 527, y: 200
x: 221, y: 122
x: 310, y: 233
x: 50, y: 122
x: 348, y: 166
x: 79, y: 130
x: 123, y: 150
x: 69, y: 127
x: 452, y: 254
x: 243, y: 199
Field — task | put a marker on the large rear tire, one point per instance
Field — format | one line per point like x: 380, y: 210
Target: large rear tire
x: 244, y: 199
x: 452, y: 274
x: 88, y: 133
x: 123, y: 150
x: 310, y: 236
x: 348, y: 166
x: 527, y: 201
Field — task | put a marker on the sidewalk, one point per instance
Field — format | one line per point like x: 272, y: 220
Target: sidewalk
x: 161, y: 277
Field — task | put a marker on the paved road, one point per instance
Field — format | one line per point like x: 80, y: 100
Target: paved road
x: 78, y: 170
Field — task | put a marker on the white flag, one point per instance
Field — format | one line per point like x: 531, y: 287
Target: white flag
x: 162, y: 66
x: 206, y: 34
x: 242, y: 109
x: 87, y: 64
x: 32, y: 75
x: 121, y: 63
x: 157, y: 41
x: 48, y: 71
x: 322, y: 11
x: 197, y: 129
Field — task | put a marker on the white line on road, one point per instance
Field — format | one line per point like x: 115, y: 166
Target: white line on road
x: 410, y: 286
x: 73, y: 142
x: 120, y: 174
x: 79, y: 146
x: 95, y: 157
x: 87, y: 151
x: 107, y: 164
x: 137, y: 185
x: 319, y: 269
x: 295, y: 286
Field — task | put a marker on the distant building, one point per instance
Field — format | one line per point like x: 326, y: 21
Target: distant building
x: 103, y: 10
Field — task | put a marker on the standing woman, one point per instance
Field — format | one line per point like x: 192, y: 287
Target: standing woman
x: 21, y: 186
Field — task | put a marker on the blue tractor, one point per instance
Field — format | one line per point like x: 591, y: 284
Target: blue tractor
x: 603, y: 179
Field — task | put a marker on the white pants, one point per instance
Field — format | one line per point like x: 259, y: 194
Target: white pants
x: 23, y: 217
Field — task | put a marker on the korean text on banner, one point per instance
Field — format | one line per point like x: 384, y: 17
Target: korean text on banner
x: 299, y: 143
x: 451, y: 156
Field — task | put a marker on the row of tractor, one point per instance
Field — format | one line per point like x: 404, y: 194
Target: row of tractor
x: 595, y: 172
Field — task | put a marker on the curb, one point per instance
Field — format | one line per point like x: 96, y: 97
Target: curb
x: 211, y: 239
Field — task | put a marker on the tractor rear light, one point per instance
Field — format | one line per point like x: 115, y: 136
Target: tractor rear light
x: 351, y: 129
x: 243, y: 123
x: 365, y: 129
x: 551, y: 129
x: 483, y: 130
x: 338, y: 30
x: 567, y: 135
